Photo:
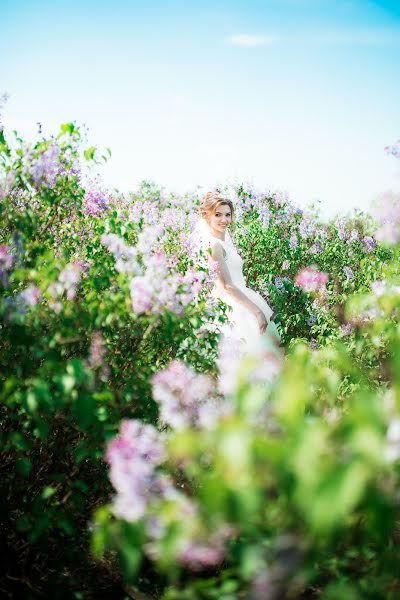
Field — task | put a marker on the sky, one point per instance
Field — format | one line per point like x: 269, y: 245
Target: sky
x: 293, y: 95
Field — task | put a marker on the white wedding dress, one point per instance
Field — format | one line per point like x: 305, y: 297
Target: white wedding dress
x: 242, y: 327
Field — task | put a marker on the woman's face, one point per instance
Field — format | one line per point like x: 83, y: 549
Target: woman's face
x: 219, y: 219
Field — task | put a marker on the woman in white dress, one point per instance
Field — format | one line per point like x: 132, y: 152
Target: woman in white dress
x: 249, y: 324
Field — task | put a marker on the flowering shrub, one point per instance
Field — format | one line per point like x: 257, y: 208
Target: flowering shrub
x: 223, y: 476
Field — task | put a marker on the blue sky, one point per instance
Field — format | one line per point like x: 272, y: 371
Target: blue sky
x: 299, y: 95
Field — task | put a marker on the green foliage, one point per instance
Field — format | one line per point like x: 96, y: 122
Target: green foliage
x: 301, y: 476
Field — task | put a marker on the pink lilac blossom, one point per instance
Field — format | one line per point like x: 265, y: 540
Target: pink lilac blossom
x: 180, y: 392
x: 6, y: 258
x: 67, y: 282
x: 310, y: 279
x: 133, y: 457
x: 30, y: 296
x: 97, y: 355
x: 142, y: 291
x: 202, y: 552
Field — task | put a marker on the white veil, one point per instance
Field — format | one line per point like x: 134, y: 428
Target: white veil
x: 201, y: 238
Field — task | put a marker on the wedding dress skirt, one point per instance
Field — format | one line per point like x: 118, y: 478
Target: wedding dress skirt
x: 242, y: 326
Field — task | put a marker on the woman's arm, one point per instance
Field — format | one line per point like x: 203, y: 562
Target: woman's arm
x: 225, y: 279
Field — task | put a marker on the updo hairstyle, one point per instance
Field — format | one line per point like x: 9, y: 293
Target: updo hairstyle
x: 211, y: 200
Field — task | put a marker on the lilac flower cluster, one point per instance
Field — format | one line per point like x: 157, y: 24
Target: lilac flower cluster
x: 161, y: 288
x: 316, y: 248
x: 293, y: 242
x: 182, y: 396
x: 95, y: 202
x: 389, y: 219
x: 45, y: 167
x: 348, y: 271
x: 306, y: 228
x: 133, y: 457
x: 6, y: 263
x: 369, y: 243
x: 30, y: 296
x: 346, y: 329
x: 201, y: 552
x: 394, y: 150
x: 126, y: 256
x: 67, y: 283
x: 6, y: 185
x: 97, y: 355
x: 278, y: 282
x: 310, y: 279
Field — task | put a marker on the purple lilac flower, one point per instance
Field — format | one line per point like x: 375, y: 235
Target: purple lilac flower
x: 346, y: 329
x: 312, y: 319
x: 141, y: 290
x: 202, y: 552
x: 179, y: 392
x: 279, y: 284
x: 306, y: 228
x: 348, y: 271
x: 46, y: 167
x: 316, y: 248
x: 126, y: 256
x: 293, y: 241
x: 133, y: 456
x: 30, y: 296
x: 96, y: 201
x: 394, y: 150
x: 6, y: 184
x: 97, y: 350
x: 285, y: 265
x: 369, y: 243
x: 69, y: 278
x: 354, y: 235
x: 6, y: 258
x: 341, y: 230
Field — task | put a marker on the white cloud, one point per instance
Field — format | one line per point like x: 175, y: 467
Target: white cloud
x: 244, y: 39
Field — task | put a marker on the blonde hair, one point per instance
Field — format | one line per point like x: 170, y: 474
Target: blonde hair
x: 211, y: 200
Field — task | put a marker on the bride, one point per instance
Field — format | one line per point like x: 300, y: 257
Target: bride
x: 250, y: 325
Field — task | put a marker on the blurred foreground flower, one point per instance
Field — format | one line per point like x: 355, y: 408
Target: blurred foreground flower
x: 310, y: 279
x: 388, y: 216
